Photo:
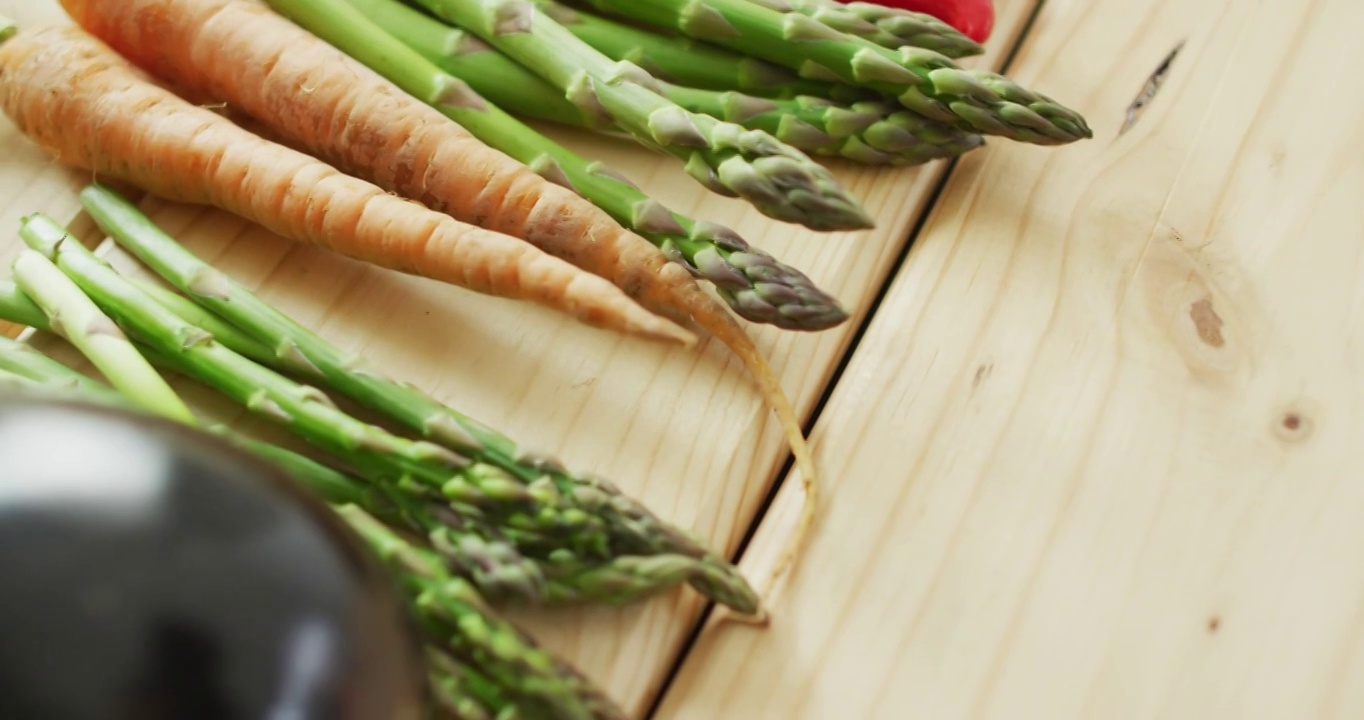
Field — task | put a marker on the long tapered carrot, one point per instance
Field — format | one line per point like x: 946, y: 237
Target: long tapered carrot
x: 74, y: 96
x: 316, y: 97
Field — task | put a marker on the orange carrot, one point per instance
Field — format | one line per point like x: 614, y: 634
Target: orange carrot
x: 244, y: 54
x: 73, y: 95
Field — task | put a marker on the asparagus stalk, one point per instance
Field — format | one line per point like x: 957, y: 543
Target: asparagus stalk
x: 28, y: 370
x: 494, y: 565
x: 434, y: 471
x: 459, y: 691
x: 869, y: 132
x: 779, y: 180
x: 198, y: 316
x: 629, y: 527
x: 756, y: 285
x: 490, y: 562
x: 457, y: 619
x: 19, y: 308
x: 683, y: 61
x: 886, y: 26
x: 474, y: 547
x: 73, y: 316
x: 924, y: 81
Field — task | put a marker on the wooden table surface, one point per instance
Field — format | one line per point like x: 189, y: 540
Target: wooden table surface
x: 1089, y: 440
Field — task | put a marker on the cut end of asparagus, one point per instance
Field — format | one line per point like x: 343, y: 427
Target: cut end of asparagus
x: 8, y: 28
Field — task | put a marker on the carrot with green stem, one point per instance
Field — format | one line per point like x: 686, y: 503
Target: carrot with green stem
x: 317, y: 97
x: 74, y: 96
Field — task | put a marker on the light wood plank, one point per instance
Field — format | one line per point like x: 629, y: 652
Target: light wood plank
x: 1097, y: 455
x: 684, y: 431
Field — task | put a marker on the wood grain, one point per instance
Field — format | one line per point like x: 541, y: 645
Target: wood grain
x: 684, y: 431
x: 1096, y: 456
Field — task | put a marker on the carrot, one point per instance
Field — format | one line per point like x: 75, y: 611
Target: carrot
x: 243, y: 53
x: 81, y: 101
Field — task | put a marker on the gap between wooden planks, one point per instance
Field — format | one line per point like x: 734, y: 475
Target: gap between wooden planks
x: 685, y: 432
x: 1097, y: 455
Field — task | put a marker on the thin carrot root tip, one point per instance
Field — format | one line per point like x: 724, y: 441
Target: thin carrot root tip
x: 742, y: 345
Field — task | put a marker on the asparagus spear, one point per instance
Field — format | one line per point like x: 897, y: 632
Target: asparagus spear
x: 475, y: 548
x: 492, y: 564
x: 924, y: 81
x: 681, y: 60
x: 73, y: 316
x: 756, y: 285
x: 869, y: 132
x: 19, y: 308
x: 779, y: 180
x: 28, y: 370
x: 435, y: 471
x: 456, y: 618
x: 886, y: 26
x: 629, y: 527
x: 460, y: 692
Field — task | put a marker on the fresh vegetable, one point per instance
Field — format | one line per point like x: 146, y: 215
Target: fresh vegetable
x: 868, y: 132
x: 631, y: 529
x: 111, y: 119
x: 73, y: 316
x: 974, y: 18
x: 887, y: 26
x: 153, y: 571
x: 449, y: 608
x: 924, y: 81
x: 756, y: 285
x: 19, y: 308
x: 481, y: 553
x: 780, y: 181
x: 247, y: 40
x: 451, y: 611
x: 462, y: 623
x: 430, y: 470
x: 681, y: 60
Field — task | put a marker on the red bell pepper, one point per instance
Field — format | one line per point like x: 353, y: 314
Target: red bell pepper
x: 973, y: 18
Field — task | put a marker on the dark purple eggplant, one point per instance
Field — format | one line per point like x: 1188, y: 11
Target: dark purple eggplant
x: 149, y: 571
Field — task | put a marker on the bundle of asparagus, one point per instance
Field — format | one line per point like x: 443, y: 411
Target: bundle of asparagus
x: 923, y: 80
x: 460, y: 512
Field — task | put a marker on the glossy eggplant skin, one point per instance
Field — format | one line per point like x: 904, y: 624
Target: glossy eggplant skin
x: 151, y: 571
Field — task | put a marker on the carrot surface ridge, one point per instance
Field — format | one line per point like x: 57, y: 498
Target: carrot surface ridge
x: 316, y: 97
x: 77, y: 98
